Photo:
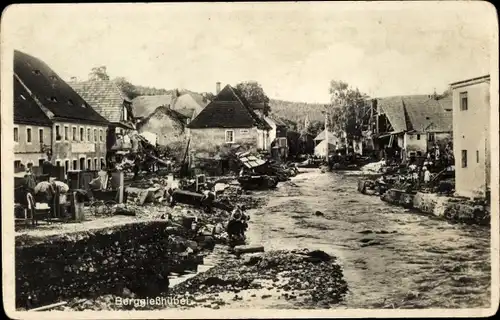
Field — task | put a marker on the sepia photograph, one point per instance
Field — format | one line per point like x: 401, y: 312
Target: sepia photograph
x: 250, y: 159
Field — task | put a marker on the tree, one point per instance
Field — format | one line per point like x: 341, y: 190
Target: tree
x: 126, y: 87
x: 99, y: 73
x: 347, y: 110
x: 208, y: 96
x: 315, y: 127
x: 253, y: 92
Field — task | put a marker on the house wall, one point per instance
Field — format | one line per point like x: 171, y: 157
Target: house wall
x: 416, y: 142
x: 208, y: 138
x: 68, y: 148
x: 25, y: 151
x: 470, y: 133
x: 167, y: 130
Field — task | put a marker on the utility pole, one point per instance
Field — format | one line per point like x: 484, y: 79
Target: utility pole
x: 327, y: 147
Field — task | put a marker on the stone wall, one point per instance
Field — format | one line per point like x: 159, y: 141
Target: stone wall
x: 137, y: 256
x: 453, y: 209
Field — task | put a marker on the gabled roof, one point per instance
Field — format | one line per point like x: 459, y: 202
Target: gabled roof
x: 321, y: 136
x: 163, y: 110
x: 430, y: 115
x: 53, y: 92
x: 143, y: 106
x: 229, y: 109
x: 417, y: 113
x: 26, y: 110
x: 104, y: 96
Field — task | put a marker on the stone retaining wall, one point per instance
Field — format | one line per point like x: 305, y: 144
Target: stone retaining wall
x: 453, y: 209
x: 137, y: 256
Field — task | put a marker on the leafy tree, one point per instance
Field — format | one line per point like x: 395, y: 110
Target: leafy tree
x: 128, y: 88
x: 347, y: 110
x: 99, y: 73
x: 254, y: 93
x: 208, y: 96
x: 315, y: 127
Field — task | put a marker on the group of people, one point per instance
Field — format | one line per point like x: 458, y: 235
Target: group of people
x: 237, y: 224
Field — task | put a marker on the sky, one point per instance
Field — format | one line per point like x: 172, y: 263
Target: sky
x: 292, y: 49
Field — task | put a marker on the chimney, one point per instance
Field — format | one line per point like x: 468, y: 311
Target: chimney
x: 217, y: 88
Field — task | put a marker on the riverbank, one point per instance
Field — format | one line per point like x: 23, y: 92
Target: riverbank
x: 450, y: 208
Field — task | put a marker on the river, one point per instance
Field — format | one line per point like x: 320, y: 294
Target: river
x: 392, y: 257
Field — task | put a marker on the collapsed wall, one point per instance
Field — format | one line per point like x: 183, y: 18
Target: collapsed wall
x: 138, y: 256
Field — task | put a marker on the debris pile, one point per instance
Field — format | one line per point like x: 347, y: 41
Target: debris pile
x: 310, y: 277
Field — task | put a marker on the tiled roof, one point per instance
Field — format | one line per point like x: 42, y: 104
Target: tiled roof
x: 53, y: 92
x: 229, y: 109
x: 430, y: 115
x: 143, y: 106
x: 26, y: 110
x: 417, y: 112
x: 104, y: 96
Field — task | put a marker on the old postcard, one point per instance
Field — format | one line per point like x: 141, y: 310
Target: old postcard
x: 250, y: 160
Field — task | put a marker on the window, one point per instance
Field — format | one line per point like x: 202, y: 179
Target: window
x: 40, y: 136
x: 103, y: 164
x: 28, y: 135
x: 66, y: 166
x: 17, y: 164
x: 75, y: 165
x: 418, y: 137
x: 89, y: 164
x: 431, y: 137
x: 95, y: 135
x: 40, y: 162
x: 464, y: 158
x: 58, y: 163
x: 66, y: 133
x: 89, y: 138
x: 229, y: 136
x: 58, y: 133
x: 82, y: 163
x: 477, y: 156
x: 95, y: 164
x: 101, y: 137
x: 463, y: 101
x: 16, y: 134
x: 125, y: 114
x: 74, y: 133
x: 82, y: 133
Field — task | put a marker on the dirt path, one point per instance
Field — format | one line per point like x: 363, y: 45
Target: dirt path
x: 392, y: 258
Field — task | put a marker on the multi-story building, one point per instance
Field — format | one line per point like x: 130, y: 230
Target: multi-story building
x: 71, y: 132
x: 471, y: 130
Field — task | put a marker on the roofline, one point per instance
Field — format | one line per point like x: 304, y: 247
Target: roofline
x: 477, y: 79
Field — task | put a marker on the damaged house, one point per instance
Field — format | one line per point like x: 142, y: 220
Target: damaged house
x: 412, y: 124
x: 164, y: 126
x: 229, y: 120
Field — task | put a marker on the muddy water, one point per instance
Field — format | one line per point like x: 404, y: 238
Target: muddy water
x: 392, y: 258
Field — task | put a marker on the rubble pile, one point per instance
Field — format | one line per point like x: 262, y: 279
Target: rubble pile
x: 313, y: 275
x: 235, y: 194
